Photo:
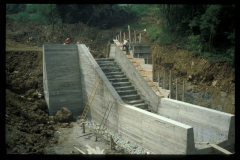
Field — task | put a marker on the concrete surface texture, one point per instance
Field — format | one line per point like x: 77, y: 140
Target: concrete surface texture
x: 130, y: 71
x: 121, y: 83
x: 144, y: 69
x: 124, y: 119
x: 209, y: 125
x: 61, y: 77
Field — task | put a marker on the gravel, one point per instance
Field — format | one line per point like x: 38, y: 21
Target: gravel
x: 121, y: 142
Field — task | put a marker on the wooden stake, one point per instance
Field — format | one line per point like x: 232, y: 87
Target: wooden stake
x: 116, y: 37
x: 135, y: 36
x: 83, y: 128
x: 158, y: 78
x: 147, y: 59
x: 170, y: 84
x: 152, y: 67
x: 124, y: 35
x: 111, y: 142
x: 176, y: 89
x: 183, y: 92
x: 120, y: 37
x: 96, y: 139
x: 140, y: 38
x: 138, y: 55
x: 164, y: 81
x: 129, y: 35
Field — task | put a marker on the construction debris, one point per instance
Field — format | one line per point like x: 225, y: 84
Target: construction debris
x: 93, y: 151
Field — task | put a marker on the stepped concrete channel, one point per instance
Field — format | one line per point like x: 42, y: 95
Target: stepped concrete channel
x: 121, y: 83
x: 172, y: 127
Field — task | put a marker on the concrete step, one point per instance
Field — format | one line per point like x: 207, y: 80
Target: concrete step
x: 124, y: 88
x: 113, y: 73
x: 118, y: 80
x: 104, y: 59
x: 135, y: 102
x: 127, y: 92
x: 121, y: 84
x: 103, y: 63
x: 111, y: 70
x: 115, y: 76
x: 130, y: 97
x: 141, y: 105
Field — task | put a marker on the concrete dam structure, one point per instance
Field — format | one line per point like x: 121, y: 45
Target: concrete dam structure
x: 161, y: 125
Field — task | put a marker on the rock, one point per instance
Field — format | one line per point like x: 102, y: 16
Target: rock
x: 214, y: 83
x: 64, y: 125
x: 51, y: 122
x: 51, y: 128
x: 35, y: 95
x: 64, y: 116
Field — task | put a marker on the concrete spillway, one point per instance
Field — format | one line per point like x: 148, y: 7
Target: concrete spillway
x: 121, y: 83
x: 172, y: 127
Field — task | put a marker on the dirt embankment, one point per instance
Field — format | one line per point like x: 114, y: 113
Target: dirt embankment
x: 208, y: 84
x: 28, y: 127
x: 23, y: 36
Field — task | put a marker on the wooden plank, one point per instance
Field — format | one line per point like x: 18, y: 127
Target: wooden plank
x: 220, y: 148
x: 79, y: 150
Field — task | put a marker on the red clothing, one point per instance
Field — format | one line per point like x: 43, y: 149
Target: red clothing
x: 68, y: 40
x: 91, y: 51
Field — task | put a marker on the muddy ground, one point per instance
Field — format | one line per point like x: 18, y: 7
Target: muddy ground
x: 30, y: 130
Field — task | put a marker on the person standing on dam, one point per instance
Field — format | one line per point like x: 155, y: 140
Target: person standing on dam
x: 125, y: 44
x: 68, y: 40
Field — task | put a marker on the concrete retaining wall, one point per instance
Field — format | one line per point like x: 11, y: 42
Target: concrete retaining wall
x: 157, y: 134
x: 104, y: 94
x: 209, y: 125
x: 61, y: 77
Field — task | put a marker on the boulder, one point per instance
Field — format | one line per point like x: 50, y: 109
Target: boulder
x: 64, y: 116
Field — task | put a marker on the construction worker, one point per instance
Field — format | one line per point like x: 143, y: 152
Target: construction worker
x: 125, y: 44
x: 68, y: 40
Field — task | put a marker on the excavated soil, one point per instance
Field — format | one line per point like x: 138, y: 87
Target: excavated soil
x: 29, y: 129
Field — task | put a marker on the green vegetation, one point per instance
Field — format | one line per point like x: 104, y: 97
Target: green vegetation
x: 104, y: 16
x: 207, y: 30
